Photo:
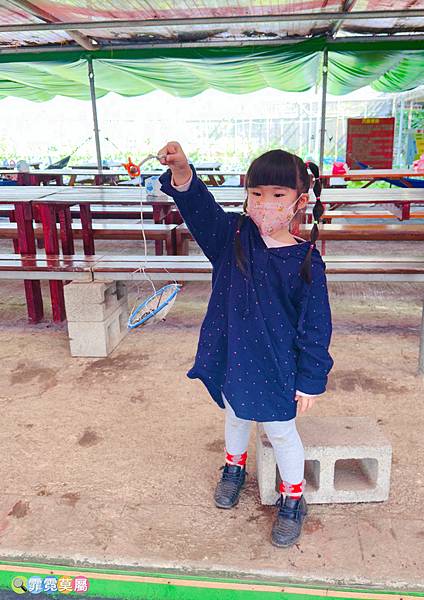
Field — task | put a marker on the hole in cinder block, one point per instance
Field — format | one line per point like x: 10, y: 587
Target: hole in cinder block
x: 110, y: 295
x: 120, y: 289
x: 355, y: 473
x: 312, y: 470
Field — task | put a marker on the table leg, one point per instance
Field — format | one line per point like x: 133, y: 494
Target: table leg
x: 406, y: 211
x: 181, y: 243
x: 159, y: 216
x: 37, y: 219
x: 51, y: 242
x: 15, y: 240
x: 171, y: 243
x: 66, y: 237
x: 159, y: 247
x: 175, y: 217
x: 87, y: 229
x: 26, y: 243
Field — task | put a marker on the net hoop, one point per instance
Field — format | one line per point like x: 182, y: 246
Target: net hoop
x: 134, y: 324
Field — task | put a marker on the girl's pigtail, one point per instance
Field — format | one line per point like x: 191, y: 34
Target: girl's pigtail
x: 317, y: 211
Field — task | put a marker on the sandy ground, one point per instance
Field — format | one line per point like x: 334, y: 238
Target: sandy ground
x: 114, y: 461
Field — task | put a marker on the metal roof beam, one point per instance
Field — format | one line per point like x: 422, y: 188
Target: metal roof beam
x: 366, y: 39
x: 141, y: 23
x: 40, y: 13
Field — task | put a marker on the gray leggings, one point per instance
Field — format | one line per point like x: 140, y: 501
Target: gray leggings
x: 283, y: 435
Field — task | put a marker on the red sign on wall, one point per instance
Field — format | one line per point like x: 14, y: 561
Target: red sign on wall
x: 370, y: 141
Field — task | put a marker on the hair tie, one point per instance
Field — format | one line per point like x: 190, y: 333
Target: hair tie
x: 312, y: 245
x: 238, y: 231
x: 317, y: 222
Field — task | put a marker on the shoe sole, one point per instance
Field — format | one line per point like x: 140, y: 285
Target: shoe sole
x: 224, y: 506
x: 285, y: 545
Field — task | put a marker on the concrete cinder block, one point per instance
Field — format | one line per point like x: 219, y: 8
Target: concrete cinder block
x: 98, y: 338
x: 347, y: 459
x: 94, y: 301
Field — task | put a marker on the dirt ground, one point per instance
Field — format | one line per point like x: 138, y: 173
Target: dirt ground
x: 114, y: 461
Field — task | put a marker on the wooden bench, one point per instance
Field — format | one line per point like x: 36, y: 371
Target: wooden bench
x: 100, y: 271
x: 63, y: 268
x: 405, y: 231
x: 161, y: 233
x: 188, y: 268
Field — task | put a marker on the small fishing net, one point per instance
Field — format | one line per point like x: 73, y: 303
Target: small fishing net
x: 154, y: 308
x: 151, y: 305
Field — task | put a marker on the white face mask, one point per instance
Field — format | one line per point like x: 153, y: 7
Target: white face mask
x: 270, y: 217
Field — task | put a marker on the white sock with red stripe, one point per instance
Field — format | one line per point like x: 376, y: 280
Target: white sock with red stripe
x: 236, y: 459
x: 292, y: 490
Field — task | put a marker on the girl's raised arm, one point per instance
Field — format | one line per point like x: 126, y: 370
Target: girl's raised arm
x: 209, y: 224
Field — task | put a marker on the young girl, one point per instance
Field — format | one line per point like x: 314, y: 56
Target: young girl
x: 263, y: 347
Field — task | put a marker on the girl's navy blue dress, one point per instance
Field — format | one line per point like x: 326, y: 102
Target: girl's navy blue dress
x: 265, y: 335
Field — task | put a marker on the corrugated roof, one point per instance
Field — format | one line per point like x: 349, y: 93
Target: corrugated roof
x: 27, y: 12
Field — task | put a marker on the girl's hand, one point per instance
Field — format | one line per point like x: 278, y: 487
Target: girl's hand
x: 304, y: 402
x: 173, y: 156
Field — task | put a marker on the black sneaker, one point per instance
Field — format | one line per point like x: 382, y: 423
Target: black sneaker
x: 288, y: 524
x: 228, y: 489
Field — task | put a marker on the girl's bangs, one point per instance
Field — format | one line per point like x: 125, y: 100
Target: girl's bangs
x: 273, y: 168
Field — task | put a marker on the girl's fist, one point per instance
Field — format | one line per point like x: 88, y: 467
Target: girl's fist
x: 173, y: 156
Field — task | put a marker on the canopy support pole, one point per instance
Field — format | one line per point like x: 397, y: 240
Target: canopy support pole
x: 400, y: 132
x: 94, y: 109
x: 323, y: 109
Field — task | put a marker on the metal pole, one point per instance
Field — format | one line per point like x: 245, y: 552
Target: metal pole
x: 323, y: 109
x: 400, y: 133
x: 94, y: 108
